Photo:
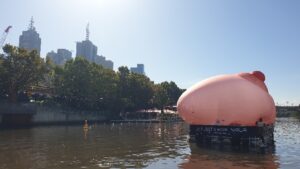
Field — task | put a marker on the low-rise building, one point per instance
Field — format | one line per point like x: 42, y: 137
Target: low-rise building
x: 101, y: 60
x: 139, y: 69
x: 60, y: 57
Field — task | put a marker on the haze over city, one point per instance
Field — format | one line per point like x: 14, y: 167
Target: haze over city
x: 176, y: 40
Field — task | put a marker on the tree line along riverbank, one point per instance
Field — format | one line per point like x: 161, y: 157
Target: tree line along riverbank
x: 26, y: 77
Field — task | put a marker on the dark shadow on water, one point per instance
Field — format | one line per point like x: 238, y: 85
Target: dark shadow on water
x: 227, y: 156
x: 228, y: 148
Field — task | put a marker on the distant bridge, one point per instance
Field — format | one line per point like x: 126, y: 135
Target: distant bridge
x: 286, y: 111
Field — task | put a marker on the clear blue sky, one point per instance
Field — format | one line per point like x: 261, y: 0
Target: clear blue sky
x: 180, y: 40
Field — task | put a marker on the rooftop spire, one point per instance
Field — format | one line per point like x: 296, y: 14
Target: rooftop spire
x: 31, y: 27
x: 87, y: 36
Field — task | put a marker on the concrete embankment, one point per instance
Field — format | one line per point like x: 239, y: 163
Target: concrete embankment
x: 18, y: 115
x: 47, y: 115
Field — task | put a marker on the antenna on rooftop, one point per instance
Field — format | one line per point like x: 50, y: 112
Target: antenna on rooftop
x: 31, y: 27
x: 87, y: 36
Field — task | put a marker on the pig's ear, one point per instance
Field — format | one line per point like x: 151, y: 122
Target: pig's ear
x: 259, y: 75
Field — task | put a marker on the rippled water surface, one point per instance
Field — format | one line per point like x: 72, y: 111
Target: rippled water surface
x: 138, y: 145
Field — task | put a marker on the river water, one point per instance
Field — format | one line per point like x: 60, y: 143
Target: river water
x: 137, y: 145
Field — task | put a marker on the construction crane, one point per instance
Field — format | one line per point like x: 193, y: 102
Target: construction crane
x: 4, y: 35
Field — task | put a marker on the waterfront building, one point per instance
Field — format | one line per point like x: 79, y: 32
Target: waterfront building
x: 139, y: 69
x: 30, y: 39
x: 60, y: 57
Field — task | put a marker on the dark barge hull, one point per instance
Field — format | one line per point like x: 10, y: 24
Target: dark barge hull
x: 236, y: 135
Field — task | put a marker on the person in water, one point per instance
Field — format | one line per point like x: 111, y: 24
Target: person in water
x: 85, y: 129
x: 85, y: 126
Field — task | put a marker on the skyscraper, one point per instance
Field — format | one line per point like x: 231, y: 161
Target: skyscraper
x: 139, y: 69
x: 88, y: 50
x: 30, y: 39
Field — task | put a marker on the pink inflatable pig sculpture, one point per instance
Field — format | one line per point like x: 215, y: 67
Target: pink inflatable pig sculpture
x: 228, y: 100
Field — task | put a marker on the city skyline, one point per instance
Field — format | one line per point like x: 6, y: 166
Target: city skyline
x: 180, y: 41
x: 30, y: 40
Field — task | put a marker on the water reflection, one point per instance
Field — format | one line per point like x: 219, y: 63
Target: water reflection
x: 220, y: 157
x: 136, y: 145
x: 101, y: 146
x: 287, y: 138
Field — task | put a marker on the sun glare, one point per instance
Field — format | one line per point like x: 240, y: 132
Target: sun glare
x: 99, y: 3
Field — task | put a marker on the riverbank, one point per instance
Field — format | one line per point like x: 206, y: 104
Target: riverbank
x: 19, y: 115
x: 288, y: 111
x: 33, y: 114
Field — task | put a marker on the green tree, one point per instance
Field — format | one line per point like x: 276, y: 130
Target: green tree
x: 124, y: 102
x: 75, y: 86
x: 104, y: 85
x: 140, y: 91
x: 2, y: 81
x: 20, y: 70
x: 85, y: 85
x: 135, y: 91
x: 166, y: 94
x: 160, y: 99
x: 173, y: 92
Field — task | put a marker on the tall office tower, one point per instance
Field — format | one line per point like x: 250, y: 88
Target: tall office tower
x: 30, y: 39
x: 86, y: 48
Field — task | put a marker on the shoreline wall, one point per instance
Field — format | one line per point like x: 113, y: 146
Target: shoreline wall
x: 43, y: 115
